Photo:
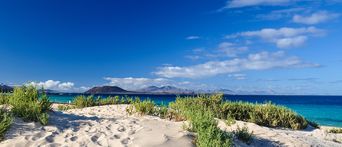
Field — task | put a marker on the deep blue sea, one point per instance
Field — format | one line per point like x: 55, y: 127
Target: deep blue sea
x: 325, y: 110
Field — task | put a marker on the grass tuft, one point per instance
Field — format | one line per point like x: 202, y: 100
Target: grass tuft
x: 243, y: 134
x: 6, y: 119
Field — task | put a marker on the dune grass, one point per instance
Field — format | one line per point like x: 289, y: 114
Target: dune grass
x: 335, y: 130
x: 6, y: 119
x: 4, y: 98
x: 243, y: 134
x: 26, y: 104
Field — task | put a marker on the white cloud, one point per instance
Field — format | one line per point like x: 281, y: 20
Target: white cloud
x: 54, y: 85
x: 223, y: 49
x: 238, y: 76
x: 291, y: 42
x: 283, y: 37
x: 279, y: 14
x: 230, y: 49
x: 192, y: 37
x: 259, y: 61
x: 137, y: 83
x: 315, y: 18
x: 66, y: 85
x: 248, y: 3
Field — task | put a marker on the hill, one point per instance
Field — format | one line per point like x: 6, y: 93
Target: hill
x: 106, y: 90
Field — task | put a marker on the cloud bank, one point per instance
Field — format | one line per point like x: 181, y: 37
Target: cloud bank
x: 258, y: 61
x: 248, y: 3
x: 53, y: 85
x: 283, y: 37
x: 315, y: 18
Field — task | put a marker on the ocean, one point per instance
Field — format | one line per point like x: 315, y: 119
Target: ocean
x: 325, y: 110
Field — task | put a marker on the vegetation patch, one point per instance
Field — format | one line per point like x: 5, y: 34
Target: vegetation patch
x: 243, y: 135
x: 6, y: 119
x: 26, y: 104
x: 335, y: 130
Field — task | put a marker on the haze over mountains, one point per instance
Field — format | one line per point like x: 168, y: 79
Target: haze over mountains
x: 151, y: 90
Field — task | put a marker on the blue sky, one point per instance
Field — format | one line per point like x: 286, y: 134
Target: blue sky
x: 248, y: 46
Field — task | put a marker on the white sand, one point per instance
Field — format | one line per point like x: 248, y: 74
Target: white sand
x: 264, y: 136
x: 111, y: 126
x: 97, y: 126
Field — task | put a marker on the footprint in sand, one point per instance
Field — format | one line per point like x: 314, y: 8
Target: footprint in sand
x: 125, y: 141
x: 95, y: 137
x: 49, y: 138
x: 121, y: 129
x: 131, y: 132
x: 116, y: 136
x: 74, y: 138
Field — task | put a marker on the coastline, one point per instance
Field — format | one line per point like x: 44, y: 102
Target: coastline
x: 110, y: 125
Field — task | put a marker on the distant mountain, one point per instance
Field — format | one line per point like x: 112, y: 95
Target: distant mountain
x: 106, y: 90
x: 5, y: 88
x: 165, y: 90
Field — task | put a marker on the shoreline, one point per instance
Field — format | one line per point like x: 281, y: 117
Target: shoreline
x: 110, y: 125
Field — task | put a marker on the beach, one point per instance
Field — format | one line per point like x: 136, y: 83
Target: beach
x: 110, y: 125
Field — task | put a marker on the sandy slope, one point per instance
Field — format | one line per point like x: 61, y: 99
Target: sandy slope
x: 111, y: 126
x: 97, y: 126
x: 264, y: 136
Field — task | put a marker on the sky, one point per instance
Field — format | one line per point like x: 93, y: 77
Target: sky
x: 247, y: 46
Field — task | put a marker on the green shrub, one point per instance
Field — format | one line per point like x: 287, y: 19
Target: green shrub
x: 65, y: 107
x: 335, y: 130
x: 267, y: 114
x: 201, y: 111
x: 230, y: 121
x: 271, y: 115
x: 145, y: 107
x: 4, y: 98
x: 237, y: 110
x: 26, y: 104
x: 243, y: 134
x: 5, y: 122
x: 161, y: 111
x: 83, y: 101
x: 313, y: 124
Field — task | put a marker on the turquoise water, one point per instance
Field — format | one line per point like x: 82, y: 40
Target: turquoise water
x: 325, y: 110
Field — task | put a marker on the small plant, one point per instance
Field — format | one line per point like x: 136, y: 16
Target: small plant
x: 83, y: 101
x: 230, y: 121
x: 335, y: 130
x: 4, y: 98
x: 5, y: 122
x: 65, y: 107
x: 313, y: 124
x: 161, y: 111
x: 243, y: 134
x: 145, y: 107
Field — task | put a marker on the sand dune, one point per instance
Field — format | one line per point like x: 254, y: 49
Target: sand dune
x: 111, y: 126
x: 96, y: 126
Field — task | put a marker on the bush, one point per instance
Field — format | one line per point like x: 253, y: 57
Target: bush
x: 237, y: 110
x: 267, y: 114
x: 83, y: 101
x: 271, y: 115
x: 243, y: 134
x: 230, y: 121
x: 65, y: 107
x: 201, y: 111
x: 26, y: 104
x: 5, y: 122
x: 146, y: 107
x: 313, y: 124
x: 4, y: 98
